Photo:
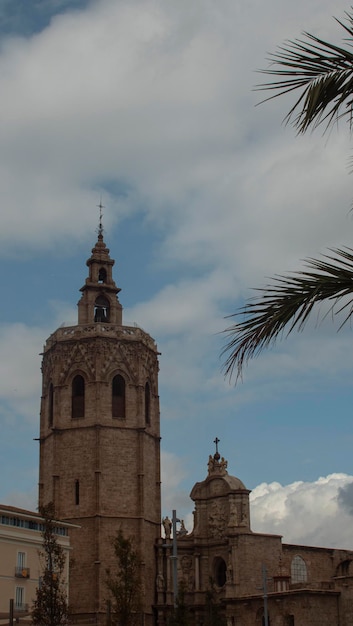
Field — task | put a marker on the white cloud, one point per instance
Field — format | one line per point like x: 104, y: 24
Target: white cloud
x: 21, y: 346
x: 185, y: 306
x: 20, y: 369
x: 173, y: 472
x: 153, y: 95
x: 310, y: 513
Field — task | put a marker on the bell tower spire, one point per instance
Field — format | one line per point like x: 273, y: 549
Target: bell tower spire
x: 99, y: 301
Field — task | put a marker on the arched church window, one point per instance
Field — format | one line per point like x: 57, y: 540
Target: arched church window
x: 298, y: 570
x: 51, y: 405
x: 118, y: 396
x: 101, y: 309
x: 220, y: 571
x: 102, y: 275
x: 147, y: 404
x: 78, y: 397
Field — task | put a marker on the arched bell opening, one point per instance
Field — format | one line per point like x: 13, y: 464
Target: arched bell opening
x: 101, y: 309
x: 102, y: 275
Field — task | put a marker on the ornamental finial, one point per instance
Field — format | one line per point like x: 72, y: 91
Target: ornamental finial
x: 216, y: 464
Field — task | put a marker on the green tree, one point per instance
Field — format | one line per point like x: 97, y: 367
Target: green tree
x: 323, y: 73
x: 124, y: 584
x: 50, y: 605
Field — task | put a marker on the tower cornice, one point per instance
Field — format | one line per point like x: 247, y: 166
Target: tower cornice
x: 105, y: 331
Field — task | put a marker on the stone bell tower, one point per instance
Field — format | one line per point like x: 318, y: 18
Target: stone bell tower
x: 100, y: 438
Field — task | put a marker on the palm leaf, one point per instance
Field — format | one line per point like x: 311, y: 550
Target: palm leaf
x: 287, y: 303
x: 322, y: 70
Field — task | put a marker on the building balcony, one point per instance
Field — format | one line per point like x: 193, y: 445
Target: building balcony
x: 22, y: 572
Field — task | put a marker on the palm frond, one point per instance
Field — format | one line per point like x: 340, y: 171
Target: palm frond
x: 287, y: 303
x: 322, y: 70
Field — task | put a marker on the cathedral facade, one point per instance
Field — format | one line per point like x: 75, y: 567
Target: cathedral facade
x: 100, y: 466
x: 254, y: 578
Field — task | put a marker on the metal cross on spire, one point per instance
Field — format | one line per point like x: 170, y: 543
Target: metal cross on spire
x: 100, y: 225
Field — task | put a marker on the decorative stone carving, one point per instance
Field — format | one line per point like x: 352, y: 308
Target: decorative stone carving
x: 77, y: 354
x: 116, y: 355
x: 217, y: 465
x: 233, y: 514
x: 167, y: 525
x: 244, y: 519
x: 160, y: 584
x: 217, y: 519
x: 187, y: 575
x: 182, y: 530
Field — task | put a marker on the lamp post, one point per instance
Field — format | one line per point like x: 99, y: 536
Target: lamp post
x: 264, y: 587
x: 265, y: 594
x: 11, y: 613
x: 174, y: 557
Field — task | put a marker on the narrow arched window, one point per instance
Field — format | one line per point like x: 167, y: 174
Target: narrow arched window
x: 101, y: 309
x: 118, y: 396
x: 220, y: 571
x: 298, y: 570
x: 102, y: 275
x: 77, y: 492
x: 147, y: 404
x: 51, y: 405
x: 78, y: 397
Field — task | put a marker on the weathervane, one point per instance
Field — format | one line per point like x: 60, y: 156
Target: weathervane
x: 100, y: 225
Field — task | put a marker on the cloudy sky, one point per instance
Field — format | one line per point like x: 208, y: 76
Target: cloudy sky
x: 149, y: 105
